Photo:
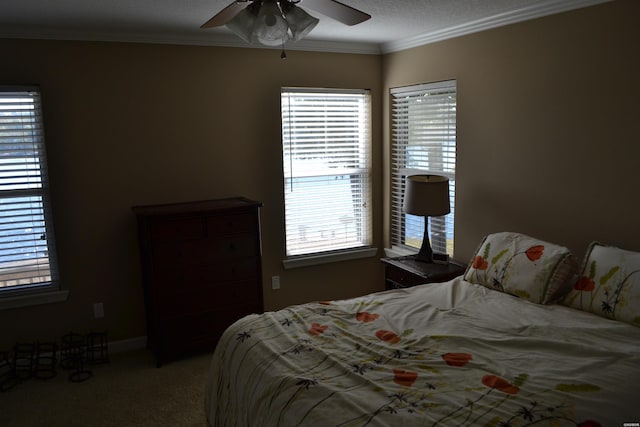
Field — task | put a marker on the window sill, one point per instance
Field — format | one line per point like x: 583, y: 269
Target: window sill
x: 306, y: 261
x: 33, y: 299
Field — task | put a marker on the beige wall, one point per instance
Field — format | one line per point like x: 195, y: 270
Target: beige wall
x: 546, y: 146
x: 130, y: 124
x: 548, y: 137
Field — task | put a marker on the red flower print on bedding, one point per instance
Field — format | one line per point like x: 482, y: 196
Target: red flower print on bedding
x: 388, y: 336
x: 457, y: 359
x: 363, y: 316
x: 500, y: 384
x: 317, y: 329
x: 404, y: 378
x: 584, y: 284
x: 479, y: 263
x: 534, y: 253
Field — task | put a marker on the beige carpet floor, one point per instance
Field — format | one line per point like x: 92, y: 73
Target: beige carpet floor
x: 127, y: 391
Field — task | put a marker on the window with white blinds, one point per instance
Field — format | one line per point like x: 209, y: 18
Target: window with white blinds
x: 423, y: 142
x: 26, y: 235
x: 327, y: 169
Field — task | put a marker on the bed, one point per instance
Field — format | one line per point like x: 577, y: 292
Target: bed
x: 458, y: 353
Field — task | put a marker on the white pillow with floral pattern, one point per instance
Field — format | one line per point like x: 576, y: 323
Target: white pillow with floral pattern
x: 524, y: 266
x: 609, y: 284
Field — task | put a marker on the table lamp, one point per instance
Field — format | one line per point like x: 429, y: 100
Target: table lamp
x: 426, y: 195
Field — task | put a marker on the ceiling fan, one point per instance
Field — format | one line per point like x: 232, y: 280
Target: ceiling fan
x: 274, y: 22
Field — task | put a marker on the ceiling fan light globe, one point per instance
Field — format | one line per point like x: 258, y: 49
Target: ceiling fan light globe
x: 300, y: 22
x: 270, y: 28
x: 242, y: 24
x: 270, y: 20
x: 270, y: 13
x: 271, y: 36
x: 270, y: 23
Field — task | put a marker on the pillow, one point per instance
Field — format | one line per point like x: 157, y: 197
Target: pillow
x: 609, y: 284
x: 520, y: 265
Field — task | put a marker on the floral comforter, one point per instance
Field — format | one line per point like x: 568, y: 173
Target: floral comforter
x: 450, y: 354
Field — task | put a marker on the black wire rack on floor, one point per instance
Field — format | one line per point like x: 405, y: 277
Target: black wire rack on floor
x: 23, y: 355
x: 73, y: 356
x: 40, y: 360
x: 7, y: 378
x: 46, y: 359
x: 97, y: 348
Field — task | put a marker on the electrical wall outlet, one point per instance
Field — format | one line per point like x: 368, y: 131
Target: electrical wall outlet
x: 275, y: 282
x: 98, y: 310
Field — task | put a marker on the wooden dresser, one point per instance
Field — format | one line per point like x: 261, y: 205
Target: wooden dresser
x: 202, y: 270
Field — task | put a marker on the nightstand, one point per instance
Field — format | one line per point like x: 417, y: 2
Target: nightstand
x: 404, y: 272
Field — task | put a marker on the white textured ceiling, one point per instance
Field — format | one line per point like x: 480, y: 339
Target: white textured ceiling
x: 395, y: 24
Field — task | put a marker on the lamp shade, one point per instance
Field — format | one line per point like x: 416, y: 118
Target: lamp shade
x: 427, y: 195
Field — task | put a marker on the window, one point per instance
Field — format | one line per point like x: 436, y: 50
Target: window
x: 27, y: 256
x: 327, y: 170
x: 423, y: 141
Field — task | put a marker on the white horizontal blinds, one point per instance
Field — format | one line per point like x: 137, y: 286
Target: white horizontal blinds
x: 423, y: 141
x: 326, y: 160
x: 24, y: 238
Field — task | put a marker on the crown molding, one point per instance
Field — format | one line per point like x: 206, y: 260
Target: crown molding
x: 537, y: 10
x: 219, y: 40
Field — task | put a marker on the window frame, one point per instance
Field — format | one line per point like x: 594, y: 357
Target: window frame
x: 49, y: 290
x: 360, y: 171
x: 443, y: 226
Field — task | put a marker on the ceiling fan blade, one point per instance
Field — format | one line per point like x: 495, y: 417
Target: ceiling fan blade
x: 226, y: 14
x: 338, y: 11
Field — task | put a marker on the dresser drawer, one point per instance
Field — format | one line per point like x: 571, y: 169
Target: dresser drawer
x: 198, y: 331
x: 207, y: 323
x: 241, y: 245
x: 178, y: 229
x: 204, y: 251
x: 221, y: 225
x: 178, y: 279
x: 200, y: 299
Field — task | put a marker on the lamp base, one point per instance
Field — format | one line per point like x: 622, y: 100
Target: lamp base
x: 424, y: 257
x: 426, y: 253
